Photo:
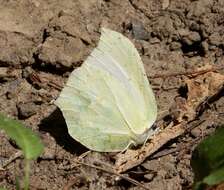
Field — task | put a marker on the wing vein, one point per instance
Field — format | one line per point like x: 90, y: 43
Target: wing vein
x: 128, y: 124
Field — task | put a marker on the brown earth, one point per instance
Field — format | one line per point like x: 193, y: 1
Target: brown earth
x: 42, y: 41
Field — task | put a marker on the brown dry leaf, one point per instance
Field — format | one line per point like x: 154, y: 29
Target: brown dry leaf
x: 200, y: 88
x: 132, y: 158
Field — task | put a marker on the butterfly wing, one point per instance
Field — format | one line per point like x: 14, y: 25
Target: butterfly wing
x: 117, y: 55
x: 106, y: 101
x: 91, y: 112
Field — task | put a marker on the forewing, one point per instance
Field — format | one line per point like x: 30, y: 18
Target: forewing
x: 117, y: 55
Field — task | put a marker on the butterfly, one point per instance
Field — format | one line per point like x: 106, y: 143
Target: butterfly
x: 108, y: 103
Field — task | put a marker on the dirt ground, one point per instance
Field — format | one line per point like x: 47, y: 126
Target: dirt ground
x: 42, y: 41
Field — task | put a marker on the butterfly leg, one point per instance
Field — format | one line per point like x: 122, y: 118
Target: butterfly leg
x: 151, y: 134
x: 130, y: 144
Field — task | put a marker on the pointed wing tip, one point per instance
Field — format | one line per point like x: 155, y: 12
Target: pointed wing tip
x: 105, y: 30
x: 112, y: 34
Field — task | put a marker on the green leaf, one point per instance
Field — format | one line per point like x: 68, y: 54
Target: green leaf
x: 208, y: 160
x: 216, y: 177
x: 24, y: 137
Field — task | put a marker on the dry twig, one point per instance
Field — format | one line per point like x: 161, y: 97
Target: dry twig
x: 113, y: 173
x: 187, y: 73
x: 11, y: 159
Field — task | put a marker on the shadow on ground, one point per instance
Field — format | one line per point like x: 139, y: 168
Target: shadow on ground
x: 56, y: 126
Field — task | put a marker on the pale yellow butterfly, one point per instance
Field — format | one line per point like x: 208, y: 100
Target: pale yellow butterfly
x: 108, y: 103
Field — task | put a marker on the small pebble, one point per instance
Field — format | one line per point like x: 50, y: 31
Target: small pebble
x: 149, y: 176
x: 175, y: 46
x: 26, y: 110
x: 48, y: 154
x: 215, y: 39
x: 205, y: 46
x: 191, y: 38
x: 196, y: 132
x: 139, y: 31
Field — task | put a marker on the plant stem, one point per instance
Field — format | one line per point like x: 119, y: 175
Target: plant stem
x: 27, y: 173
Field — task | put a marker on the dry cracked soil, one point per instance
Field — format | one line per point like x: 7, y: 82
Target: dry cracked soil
x: 42, y: 41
